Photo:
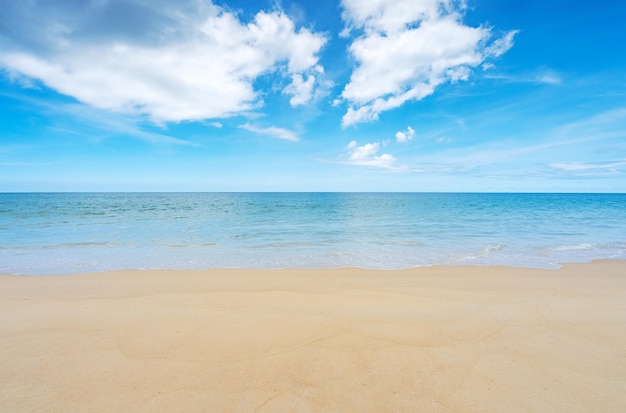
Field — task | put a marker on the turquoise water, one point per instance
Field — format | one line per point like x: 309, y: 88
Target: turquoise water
x: 82, y: 232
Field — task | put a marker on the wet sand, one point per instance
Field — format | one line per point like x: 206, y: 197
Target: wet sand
x: 440, y: 339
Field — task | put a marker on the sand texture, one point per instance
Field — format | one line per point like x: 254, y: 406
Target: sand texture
x: 440, y: 339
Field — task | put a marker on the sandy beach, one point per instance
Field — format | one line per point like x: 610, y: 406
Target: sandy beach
x: 440, y: 339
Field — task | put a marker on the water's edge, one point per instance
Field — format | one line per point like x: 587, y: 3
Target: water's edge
x: 94, y: 232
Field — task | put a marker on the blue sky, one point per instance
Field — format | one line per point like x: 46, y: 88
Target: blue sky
x: 341, y: 95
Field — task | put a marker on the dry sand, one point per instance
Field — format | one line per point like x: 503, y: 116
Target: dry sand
x: 449, y: 339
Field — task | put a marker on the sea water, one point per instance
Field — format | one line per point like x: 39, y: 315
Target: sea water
x: 58, y: 233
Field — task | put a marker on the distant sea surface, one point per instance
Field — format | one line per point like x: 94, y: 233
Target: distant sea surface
x: 62, y: 233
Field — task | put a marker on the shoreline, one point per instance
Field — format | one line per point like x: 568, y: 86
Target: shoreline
x: 437, y: 338
x: 552, y: 267
x: 77, y: 233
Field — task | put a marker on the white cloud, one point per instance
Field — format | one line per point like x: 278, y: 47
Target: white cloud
x: 358, y: 153
x: 406, y: 135
x: 272, y: 131
x: 193, y: 60
x: 21, y: 80
x: 407, y: 48
x: 365, y: 155
x: 501, y: 45
x: 300, y: 89
x: 388, y: 16
x: 218, y: 125
x: 305, y: 91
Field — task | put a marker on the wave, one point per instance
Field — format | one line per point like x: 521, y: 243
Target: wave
x: 208, y: 244
x: 485, y: 252
x: 68, y: 245
x: 577, y: 247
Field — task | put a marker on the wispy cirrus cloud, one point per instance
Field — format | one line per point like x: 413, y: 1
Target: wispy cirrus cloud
x: 544, y: 76
x: 97, y: 125
x: 407, y: 49
x: 273, y: 131
x: 119, y: 124
x: 549, y: 77
x: 501, y: 45
x: 584, y: 148
x: 602, y: 168
x: 173, y: 61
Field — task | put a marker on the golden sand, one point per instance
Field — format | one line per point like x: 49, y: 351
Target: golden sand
x: 440, y: 339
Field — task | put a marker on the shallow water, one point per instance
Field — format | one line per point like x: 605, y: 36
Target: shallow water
x: 58, y: 233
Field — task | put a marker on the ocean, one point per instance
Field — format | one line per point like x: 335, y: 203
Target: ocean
x: 64, y: 233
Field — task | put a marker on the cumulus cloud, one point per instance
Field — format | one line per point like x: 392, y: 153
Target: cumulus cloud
x: 406, y: 49
x: 278, y: 133
x: 406, y: 135
x: 173, y: 61
x: 300, y: 89
x: 365, y: 155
